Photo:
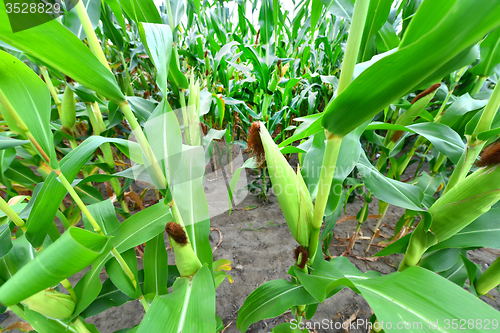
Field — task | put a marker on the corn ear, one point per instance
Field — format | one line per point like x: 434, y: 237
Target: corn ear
x: 292, y: 193
x: 455, y: 210
x: 68, y: 111
x: 465, y: 202
x: 185, y: 259
x: 51, y: 304
x: 489, y: 279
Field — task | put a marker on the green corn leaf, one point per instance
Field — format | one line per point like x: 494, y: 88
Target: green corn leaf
x: 155, y: 266
x: 310, y: 126
x: 177, y: 78
x: 446, y: 140
x: 29, y: 98
x: 340, y: 8
x: 490, y: 55
x: 11, y: 122
x: 316, y: 9
x: 312, y: 161
x: 389, y: 190
x: 74, y: 251
x: 105, y: 215
x: 6, y: 143
x: 435, y: 301
x: 440, y: 260
x: 72, y: 22
x: 43, y: 324
x: 424, y: 51
x: 242, y: 20
x: 377, y: 15
x: 318, y: 283
x: 117, y: 13
x: 7, y: 156
x: 141, y: 11
x: 20, y: 254
x: 483, y: 232
x: 165, y: 138
x: 110, y: 296
x: 350, y: 148
x: 403, y: 295
x: 188, y: 192
x: 58, y: 47
x: 266, y: 21
x: 88, y: 194
x: 460, y: 107
x: 5, y: 239
x: 465, y: 202
x: 270, y: 300
x: 386, y: 38
x: 260, y: 67
x: 456, y: 274
x: 109, y: 28
x: 142, y: 108
x: 158, y: 41
x: 398, y: 246
x: 52, y: 192
x: 190, y: 307
x: 473, y: 273
x: 137, y: 229
x: 178, y: 8
x: 22, y: 174
x: 118, y: 276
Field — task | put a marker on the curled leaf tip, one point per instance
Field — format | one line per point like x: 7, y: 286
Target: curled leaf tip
x: 490, y: 156
x: 177, y: 233
x: 255, y: 144
x: 303, y: 259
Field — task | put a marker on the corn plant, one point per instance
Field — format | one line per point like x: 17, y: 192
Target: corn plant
x: 111, y: 92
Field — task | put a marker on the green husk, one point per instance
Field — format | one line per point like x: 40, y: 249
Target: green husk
x: 293, y: 197
x: 489, y: 279
x: 465, y: 202
x: 454, y: 211
x: 51, y: 303
x: 185, y: 258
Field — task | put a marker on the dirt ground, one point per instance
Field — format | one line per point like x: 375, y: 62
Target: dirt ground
x: 260, y: 247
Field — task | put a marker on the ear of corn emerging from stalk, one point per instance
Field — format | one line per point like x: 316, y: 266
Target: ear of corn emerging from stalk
x: 51, y: 303
x: 465, y: 202
x: 455, y: 210
x: 490, y: 278
x: 293, y: 197
x: 185, y: 258
x: 68, y: 112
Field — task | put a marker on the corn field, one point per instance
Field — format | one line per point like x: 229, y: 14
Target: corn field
x: 116, y: 113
